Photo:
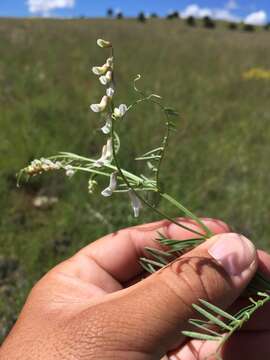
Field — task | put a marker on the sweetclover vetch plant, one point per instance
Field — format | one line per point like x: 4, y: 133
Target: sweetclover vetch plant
x: 213, y: 323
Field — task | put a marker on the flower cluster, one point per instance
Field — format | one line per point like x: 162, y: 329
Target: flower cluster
x: 39, y: 166
x: 105, y: 73
x: 42, y: 165
x: 106, y: 107
x: 257, y: 74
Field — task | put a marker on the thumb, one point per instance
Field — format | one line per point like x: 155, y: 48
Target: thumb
x: 157, y: 309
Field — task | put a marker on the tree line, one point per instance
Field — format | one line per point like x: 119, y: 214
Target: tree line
x: 191, y: 21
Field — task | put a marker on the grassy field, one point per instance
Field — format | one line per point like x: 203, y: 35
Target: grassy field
x: 218, y: 160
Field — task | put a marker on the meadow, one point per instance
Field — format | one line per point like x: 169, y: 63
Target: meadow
x: 218, y: 159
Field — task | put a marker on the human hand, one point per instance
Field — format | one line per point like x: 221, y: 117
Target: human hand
x: 95, y: 305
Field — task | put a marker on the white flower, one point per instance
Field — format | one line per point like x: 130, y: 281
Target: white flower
x: 44, y: 202
x: 109, y: 62
x: 103, y: 80
x: 135, y: 203
x: 112, y: 186
x: 106, y: 155
x: 110, y: 91
x: 69, y: 171
x: 107, y: 127
x: 120, y: 111
x: 101, y: 106
x: 106, y: 79
x: 103, y: 43
x: 100, y: 70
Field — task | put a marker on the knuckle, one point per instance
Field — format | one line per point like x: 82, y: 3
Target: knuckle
x: 191, y: 278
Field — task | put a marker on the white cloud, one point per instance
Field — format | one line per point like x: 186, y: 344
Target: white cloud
x: 231, y: 5
x: 221, y: 14
x: 44, y: 7
x: 200, y: 12
x: 258, y: 18
x: 196, y: 11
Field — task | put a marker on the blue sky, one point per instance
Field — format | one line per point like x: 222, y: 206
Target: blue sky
x: 238, y: 8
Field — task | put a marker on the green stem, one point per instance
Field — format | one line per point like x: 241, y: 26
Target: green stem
x: 208, y: 232
x: 240, y: 323
x: 142, y: 199
x: 126, y: 181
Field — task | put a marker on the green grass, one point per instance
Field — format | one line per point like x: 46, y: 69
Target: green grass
x: 217, y: 164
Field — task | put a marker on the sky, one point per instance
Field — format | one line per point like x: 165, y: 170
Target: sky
x: 256, y: 12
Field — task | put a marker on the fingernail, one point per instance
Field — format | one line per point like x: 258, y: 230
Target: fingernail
x: 235, y: 253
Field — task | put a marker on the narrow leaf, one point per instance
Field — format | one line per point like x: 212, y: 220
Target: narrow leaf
x: 147, y: 267
x: 152, y: 262
x: 211, y: 317
x: 203, y: 327
x: 199, y: 336
x: 217, y: 310
x: 149, y: 157
x: 153, y: 251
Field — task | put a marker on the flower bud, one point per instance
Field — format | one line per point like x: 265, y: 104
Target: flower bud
x: 91, y: 186
x: 69, y: 171
x: 43, y: 165
x: 103, y: 43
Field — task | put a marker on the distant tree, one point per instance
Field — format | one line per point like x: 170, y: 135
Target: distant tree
x: 248, y: 27
x: 153, y: 15
x: 190, y: 20
x: 110, y: 12
x: 119, y: 15
x: 208, y: 23
x: 232, y: 26
x: 267, y: 26
x: 173, y: 15
x: 141, y: 17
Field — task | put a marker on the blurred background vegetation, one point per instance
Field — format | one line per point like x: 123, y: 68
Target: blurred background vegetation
x: 218, y: 160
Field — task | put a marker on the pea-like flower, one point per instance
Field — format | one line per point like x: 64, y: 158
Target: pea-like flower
x: 120, y: 111
x: 101, y: 106
x: 112, y: 185
x: 108, y: 125
x: 110, y: 91
x: 103, y: 43
x: 109, y: 62
x: 135, y: 203
x: 101, y: 70
x: 106, y: 155
x: 106, y: 79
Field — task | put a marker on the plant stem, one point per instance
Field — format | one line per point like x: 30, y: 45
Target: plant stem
x: 208, y: 232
